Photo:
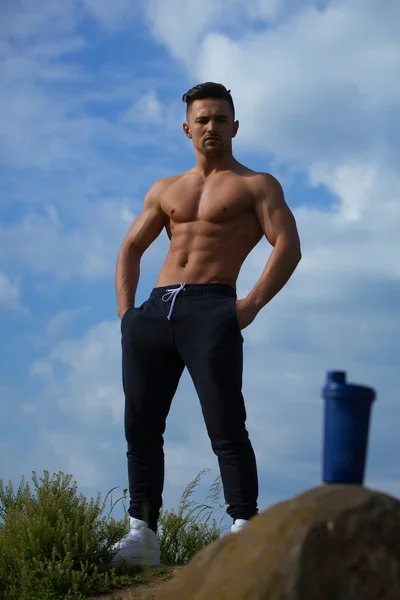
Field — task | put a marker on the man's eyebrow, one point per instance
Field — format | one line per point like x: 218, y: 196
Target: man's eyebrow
x: 208, y: 116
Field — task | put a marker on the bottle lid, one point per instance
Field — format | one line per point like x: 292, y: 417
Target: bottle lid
x: 337, y: 387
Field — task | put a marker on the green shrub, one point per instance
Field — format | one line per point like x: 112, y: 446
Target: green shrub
x: 54, y: 544
x: 185, y: 532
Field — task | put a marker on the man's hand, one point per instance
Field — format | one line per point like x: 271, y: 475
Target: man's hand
x: 246, y: 313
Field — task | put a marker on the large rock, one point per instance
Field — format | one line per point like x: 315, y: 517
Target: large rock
x: 330, y: 543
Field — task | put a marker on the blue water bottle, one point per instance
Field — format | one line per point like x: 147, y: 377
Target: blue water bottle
x: 346, y: 429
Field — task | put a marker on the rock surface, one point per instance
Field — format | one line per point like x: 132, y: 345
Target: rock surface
x: 337, y: 542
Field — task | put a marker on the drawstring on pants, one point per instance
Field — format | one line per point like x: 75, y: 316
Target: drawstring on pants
x: 172, y: 293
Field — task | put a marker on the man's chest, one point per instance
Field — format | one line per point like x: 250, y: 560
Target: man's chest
x: 212, y: 202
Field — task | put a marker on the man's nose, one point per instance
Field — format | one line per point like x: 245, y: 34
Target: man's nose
x: 211, y: 126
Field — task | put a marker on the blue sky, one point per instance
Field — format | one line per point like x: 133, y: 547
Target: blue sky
x: 91, y: 117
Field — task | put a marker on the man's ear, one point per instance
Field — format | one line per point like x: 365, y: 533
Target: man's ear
x: 186, y: 129
x: 235, y: 128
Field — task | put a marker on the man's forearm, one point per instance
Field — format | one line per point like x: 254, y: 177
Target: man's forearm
x: 126, y: 279
x: 280, y: 266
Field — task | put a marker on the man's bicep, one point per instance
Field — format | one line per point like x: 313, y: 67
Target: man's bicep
x: 275, y: 217
x: 148, y: 225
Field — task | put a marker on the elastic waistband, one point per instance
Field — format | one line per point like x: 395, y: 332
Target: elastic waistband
x: 196, y: 289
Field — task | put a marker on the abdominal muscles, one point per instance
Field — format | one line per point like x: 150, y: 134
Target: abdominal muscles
x: 204, y: 252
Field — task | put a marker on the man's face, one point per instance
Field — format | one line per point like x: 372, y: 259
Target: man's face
x: 210, y: 125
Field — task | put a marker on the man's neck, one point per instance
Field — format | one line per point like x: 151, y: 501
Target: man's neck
x: 207, y: 165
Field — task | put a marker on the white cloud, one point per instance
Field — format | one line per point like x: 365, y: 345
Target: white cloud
x: 368, y: 192
x: 180, y: 24
x: 265, y: 10
x: 312, y: 87
x: 147, y: 109
x: 81, y: 460
x: 46, y: 123
x: 27, y: 18
x: 184, y: 460
x: 88, y: 249
x: 38, y: 40
x: 39, y: 130
x: 58, y: 324
x: 89, y: 365
x: 320, y: 91
x: 62, y: 321
x: 9, y: 292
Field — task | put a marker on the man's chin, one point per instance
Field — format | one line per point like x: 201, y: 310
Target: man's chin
x: 212, y: 150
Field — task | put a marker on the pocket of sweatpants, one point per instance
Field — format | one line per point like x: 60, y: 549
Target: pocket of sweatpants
x: 134, y: 310
x: 126, y: 313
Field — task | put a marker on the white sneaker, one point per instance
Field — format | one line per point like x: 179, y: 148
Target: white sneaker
x: 140, y: 546
x: 238, y: 525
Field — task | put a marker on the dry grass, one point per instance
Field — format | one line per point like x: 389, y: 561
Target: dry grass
x: 146, y: 585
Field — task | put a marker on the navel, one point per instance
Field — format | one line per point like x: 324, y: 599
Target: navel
x: 223, y: 208
x: 172, y: 211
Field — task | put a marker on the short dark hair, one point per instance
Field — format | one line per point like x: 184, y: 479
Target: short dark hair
x: 208, y: 90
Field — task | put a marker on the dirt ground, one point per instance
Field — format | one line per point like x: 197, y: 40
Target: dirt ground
x: 146, y: 586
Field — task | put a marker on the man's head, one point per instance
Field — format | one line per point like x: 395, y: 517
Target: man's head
x: 210, y: 118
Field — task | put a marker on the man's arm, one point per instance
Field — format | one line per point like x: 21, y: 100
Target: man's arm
x: 143, y: 231
x: 279, y: 227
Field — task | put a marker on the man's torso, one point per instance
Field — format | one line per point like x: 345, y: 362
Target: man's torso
x: 212, y: 226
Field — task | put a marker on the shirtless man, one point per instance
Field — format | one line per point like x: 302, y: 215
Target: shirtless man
x: 214, y: 215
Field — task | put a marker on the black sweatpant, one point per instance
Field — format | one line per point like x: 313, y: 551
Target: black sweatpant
x: 192, y: 325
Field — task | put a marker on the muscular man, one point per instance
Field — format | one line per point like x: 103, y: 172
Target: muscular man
x: 214, y: 215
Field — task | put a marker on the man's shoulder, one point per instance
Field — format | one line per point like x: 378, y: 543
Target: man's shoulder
x: 165, y: 182
x: 255, y: 177
x: 263, y: 182
x: 260, y: 182
x: 262, y: 177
